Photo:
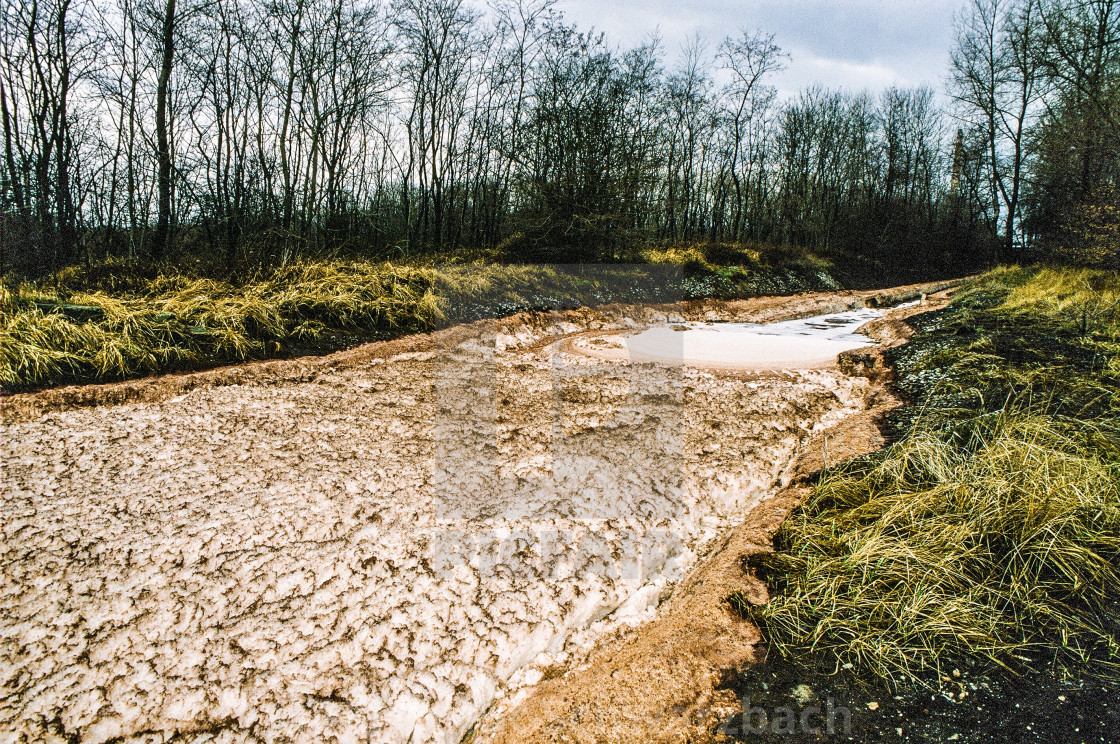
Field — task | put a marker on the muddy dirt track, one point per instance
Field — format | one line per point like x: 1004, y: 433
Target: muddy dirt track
x: 386, y: 543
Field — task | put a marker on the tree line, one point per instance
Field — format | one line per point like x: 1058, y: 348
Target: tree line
x: 254, y: 133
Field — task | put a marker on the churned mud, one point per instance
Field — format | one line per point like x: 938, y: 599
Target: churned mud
x: 386, y: 543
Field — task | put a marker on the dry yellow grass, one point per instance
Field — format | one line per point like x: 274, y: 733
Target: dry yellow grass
x: 174, y: 320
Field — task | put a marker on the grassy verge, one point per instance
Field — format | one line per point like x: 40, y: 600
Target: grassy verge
x: 113, y: 321
x: 990, y: 531
x: 726, y: 271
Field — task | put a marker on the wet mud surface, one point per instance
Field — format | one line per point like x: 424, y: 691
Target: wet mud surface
x: 378, y: 554
x: 374, y: 546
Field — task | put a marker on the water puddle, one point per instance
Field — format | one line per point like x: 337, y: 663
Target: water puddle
x: 793, y: 344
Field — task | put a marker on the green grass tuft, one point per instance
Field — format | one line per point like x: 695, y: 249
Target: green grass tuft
x: 991, y: 530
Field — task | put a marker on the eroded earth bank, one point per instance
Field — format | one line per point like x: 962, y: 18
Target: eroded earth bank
x: 386, y: 543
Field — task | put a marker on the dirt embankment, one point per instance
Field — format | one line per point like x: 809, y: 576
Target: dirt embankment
x: 381, y: 543
x: 544, y: 329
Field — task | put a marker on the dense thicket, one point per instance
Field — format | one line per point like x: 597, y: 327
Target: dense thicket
x: 252, y: 133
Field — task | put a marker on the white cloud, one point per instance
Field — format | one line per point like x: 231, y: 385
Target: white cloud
x: 838, y: 73
x: 856, y: 44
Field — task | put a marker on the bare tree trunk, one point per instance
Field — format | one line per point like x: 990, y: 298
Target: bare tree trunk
x: 161, y: 242
x: 64, y: 199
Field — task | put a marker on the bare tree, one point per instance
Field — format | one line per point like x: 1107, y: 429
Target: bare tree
x: 161, y: 241
x: 996, y: 80
x: 48, y: 52
x: 751, y: 57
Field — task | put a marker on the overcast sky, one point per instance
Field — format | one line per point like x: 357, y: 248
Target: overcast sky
x: 855, y: 44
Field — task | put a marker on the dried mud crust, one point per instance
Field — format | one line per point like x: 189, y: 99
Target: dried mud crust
x: 376, y: 545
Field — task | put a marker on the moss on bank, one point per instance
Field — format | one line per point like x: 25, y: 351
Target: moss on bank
x: 991, y: 529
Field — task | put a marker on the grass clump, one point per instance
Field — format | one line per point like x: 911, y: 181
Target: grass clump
x: 993, y: 542
x: 1085, y: 302
x: 83, y: 332
x: 990, y: 530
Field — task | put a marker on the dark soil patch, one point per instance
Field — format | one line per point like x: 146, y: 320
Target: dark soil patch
x: 976, y: 707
